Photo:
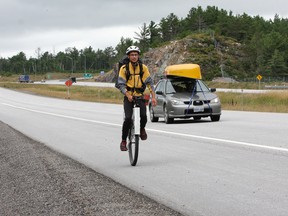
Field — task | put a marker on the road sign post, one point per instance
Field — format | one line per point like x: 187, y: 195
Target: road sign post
x: 259, y: 77
x: 68, y: 83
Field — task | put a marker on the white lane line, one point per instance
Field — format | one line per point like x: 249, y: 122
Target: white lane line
x: 62, y: 116
x: 222, y: 140
x: 157, y: 131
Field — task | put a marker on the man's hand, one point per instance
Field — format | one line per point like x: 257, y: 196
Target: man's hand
x: 130, y: 98
x: 154, y: 101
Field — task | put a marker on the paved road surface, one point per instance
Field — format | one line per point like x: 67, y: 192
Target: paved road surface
x: 36, y: 180
x: 237, y: 166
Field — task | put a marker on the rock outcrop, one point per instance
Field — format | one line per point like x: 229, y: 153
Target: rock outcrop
x: 213, y: 56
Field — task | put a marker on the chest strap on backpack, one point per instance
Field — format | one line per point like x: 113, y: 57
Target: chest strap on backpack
x: 138, y: 90
x: 128, y: 74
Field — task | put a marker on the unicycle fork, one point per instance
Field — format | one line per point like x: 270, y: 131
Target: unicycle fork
x: 134, y: 132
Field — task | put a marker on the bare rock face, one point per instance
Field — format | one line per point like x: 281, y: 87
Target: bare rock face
x: 109, y: 76
x: 156, y: 59
x: 210, y: 54
x: 159, y: 58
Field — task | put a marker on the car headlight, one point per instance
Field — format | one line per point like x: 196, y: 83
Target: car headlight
x: 215, y: 100
x: 176, y: 102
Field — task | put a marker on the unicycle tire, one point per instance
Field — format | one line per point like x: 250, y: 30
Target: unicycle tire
x: 133, y: 149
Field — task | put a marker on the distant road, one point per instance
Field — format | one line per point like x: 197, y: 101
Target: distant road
x: 103, y: 84
x: 237, y: 166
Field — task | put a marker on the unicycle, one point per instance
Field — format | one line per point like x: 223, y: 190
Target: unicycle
x: 134, y: 132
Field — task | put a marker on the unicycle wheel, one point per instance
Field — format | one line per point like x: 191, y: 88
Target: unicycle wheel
x: 133, y: 149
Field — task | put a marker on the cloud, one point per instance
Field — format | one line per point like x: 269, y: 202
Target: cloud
x: 27, y: 25
x: 59, y: 40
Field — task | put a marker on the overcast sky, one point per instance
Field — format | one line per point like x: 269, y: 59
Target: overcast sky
x: 54, y: 25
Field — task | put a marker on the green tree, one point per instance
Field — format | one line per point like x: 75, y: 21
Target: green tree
x: 110, y: 55
x: 143, y: 37
x: 73, y: 56
x: 277, y: 63
x: 47, y: 63
x: 263, y: 45
x: 122, y: 46
x: 60, y: 61
x: 102, y: 59
x: 89, y: 56
x: 169, y: 27
x: 155, y: 37
x: 210, y: 16
x: 18, y: 63
x: 195, y: 19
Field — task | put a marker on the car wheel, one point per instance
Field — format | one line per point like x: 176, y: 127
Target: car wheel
x: 215, y: 117
x: 152, y: 117
x: 166, y: 116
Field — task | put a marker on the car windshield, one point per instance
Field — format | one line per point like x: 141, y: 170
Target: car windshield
x: 169, y: 88
x: 185, y: 85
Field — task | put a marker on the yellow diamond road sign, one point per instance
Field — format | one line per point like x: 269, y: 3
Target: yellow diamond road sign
x: 259, y: 77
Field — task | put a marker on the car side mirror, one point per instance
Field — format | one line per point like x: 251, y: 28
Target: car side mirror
x: 213, y: 89
x: 159, y: 92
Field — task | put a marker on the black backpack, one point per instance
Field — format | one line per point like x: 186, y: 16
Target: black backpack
x: 125, y: 61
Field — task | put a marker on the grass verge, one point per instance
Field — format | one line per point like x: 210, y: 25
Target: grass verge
x: 265, y: 102
x: 81, y: 93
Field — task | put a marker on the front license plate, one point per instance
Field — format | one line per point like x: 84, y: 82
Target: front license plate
x: 199, y: 109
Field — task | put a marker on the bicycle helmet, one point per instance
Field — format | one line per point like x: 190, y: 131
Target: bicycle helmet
x: 132, y: 49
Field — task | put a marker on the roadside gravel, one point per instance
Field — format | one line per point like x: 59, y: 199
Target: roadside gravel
x: 35, y: 180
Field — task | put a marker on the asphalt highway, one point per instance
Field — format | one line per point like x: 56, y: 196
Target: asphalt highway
x: 36, y: 180
x: 237, y: 166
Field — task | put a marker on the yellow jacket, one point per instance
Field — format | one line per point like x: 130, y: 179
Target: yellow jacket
x: 134, y: 84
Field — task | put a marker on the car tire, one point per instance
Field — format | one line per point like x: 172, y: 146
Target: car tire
x: 152, y: 117
x: 167, y: 119
x: 215, y: 118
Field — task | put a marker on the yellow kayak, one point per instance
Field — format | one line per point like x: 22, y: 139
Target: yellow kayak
x: 184, y: 70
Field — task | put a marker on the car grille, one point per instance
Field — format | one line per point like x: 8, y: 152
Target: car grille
x: 198, y: 102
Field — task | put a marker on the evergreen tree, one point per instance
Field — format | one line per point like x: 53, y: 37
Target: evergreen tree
x: 143, y: 38
x: 264, y: 45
